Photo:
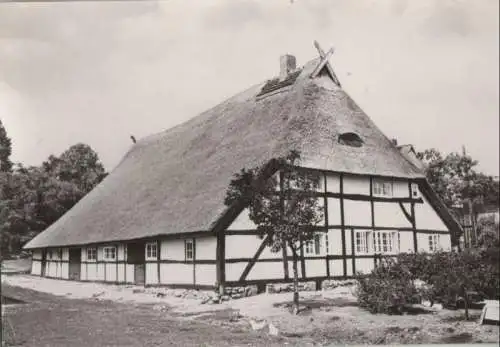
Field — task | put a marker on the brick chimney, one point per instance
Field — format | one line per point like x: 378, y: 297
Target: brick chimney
x: 394, y: 142
x: 287, y: 65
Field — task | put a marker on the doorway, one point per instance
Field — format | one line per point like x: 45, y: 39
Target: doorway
x: 75, y: 261
x: 136, y: 255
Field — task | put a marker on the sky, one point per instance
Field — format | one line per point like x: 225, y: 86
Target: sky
x: 425, y: 71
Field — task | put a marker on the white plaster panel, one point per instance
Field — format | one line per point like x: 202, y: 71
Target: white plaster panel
x: 100, y: 253
x: 205, y: 274
x: 174, y: 249
x: 121, y: 273
x: 333, y: 183
x: 242, y: 246
x: 151, y: 273
x: 64, y: 270
x: 100, y: 272
x: 234, y: 270
x: 364, y: 265
x: 334, y: 211
x: 348, y: 246
x: 336, y: 267
x: 357, y: 213
x: 445, y: 242
x: 267, y: 254
x: 242, y: 222
x: 65, y: 254
x: 36, y: 267
x: 266, y: 270
x: 406, y: 242
x: 315, y: 267
x: 206, y: 247
x: 389, y: 214
x: 130, y: 273
x: 349, y: 267
x: 176, y: 273
x: 335, y: 241
x: 356, y: 185
x: 111, y: 272
x: 427, y: 217
x: 400, y: 189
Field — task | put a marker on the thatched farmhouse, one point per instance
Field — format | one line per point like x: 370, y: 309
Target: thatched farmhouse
x: 159, y: 218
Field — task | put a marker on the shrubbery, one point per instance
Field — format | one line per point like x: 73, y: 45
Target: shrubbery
x: 388, y: 289
x: 447, y: 278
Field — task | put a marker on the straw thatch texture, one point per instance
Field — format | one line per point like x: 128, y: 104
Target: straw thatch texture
x: 175, y: 181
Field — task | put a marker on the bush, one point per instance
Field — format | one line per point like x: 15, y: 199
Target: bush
x: 388, y: 289
x: 445, y: 277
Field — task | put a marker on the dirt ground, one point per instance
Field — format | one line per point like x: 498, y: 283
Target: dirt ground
x: 149, y: 319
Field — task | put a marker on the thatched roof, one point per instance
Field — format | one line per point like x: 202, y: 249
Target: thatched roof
x: 175, y: 181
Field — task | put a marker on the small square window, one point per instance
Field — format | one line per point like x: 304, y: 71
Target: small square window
x: 434, y: 243
x: 151, y: 251
x: 381, y: 188
x: 414, y: 190
x: 109, y: 253
x: 189, y: 249
x: 91, y: 254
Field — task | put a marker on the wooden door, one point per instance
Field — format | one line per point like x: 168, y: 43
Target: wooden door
x: 136, y: 255
x: 75, y: 255
x: 44, y: 262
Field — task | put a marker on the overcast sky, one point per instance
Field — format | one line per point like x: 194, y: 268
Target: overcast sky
x: 426, y: 71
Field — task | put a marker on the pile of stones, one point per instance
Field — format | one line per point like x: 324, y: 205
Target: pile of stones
x: 332, y: 284
x: 288, y: 287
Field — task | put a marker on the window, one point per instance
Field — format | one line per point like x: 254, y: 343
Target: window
x: 50, y: 254
x: 91, y: 254
x: 384, y: 241
x: 313, y: 247
x: 433, y: 243
x: 151, y: 251
x: 414, y: 190
x: 362, y: 242
x: 381, y: 188
x: 109, y: 253
x: 59, y: 253
x: 350, y: 139
x: 189, y: 249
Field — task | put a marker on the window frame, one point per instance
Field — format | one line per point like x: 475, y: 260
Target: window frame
x: 151, y: 251
x: 434, y: 242
x: 187, y: 251
x: 414, y: 190
x: 385, y: 242
x: 92, y: 259
x: 315, y: 246
x: 363, y: 247
x: 380, y: 186
x: 105, y: 255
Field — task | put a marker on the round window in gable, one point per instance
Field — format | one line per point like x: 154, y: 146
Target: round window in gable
x: 350, y: 139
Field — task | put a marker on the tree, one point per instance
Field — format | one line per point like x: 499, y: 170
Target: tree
x: 284, y: 209
x: 79, y: 165
x: 5, y: 150
x: 454, y: 179
x: 32, y: 198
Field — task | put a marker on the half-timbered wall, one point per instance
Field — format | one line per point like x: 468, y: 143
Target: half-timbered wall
x: 36, y: 262
x: 56, y: 264
x: 174, y: 267
x: 105, y: 270
x: 390, y: 223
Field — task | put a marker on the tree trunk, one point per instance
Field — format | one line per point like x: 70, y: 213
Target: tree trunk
x: 466, y: 302
x: 295, y: 306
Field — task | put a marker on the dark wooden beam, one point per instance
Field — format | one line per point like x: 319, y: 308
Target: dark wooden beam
x: 252, y: 262
x: 407, y: 215
x: 342, y: 224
